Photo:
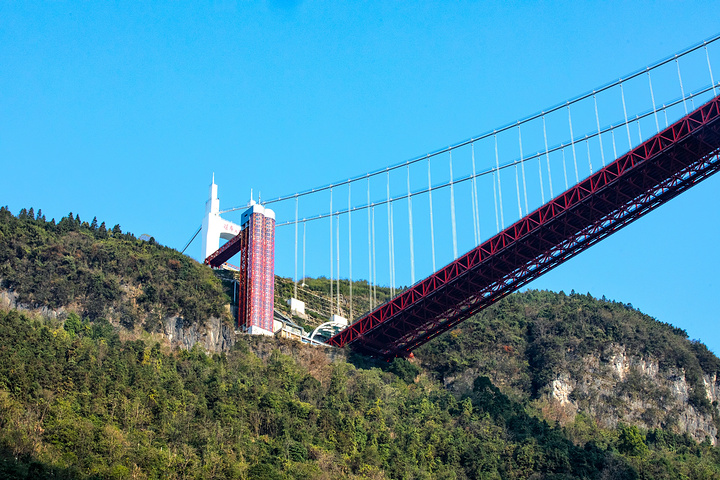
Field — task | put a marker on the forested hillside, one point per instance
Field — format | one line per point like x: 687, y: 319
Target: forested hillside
x: 576, y: 354
x: 102, y: 273
x: 540, y: 385
x: 76, y: 402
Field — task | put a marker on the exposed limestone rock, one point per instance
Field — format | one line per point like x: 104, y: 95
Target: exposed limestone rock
x: 213, y: 336
x: 9, y: 300
x: 622, y: 363
x: 562, y: 387
x: 616, y: 387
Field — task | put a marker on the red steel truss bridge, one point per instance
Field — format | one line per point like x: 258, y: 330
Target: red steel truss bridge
x: 616, y: 153
x: 636, y: 183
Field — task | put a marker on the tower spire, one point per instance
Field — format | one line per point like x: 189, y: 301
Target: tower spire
x: 213, y: 203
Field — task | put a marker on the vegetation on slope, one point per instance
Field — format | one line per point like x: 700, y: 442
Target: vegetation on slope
x: 76, y: 402
x: 102, y: 272
x: 315, y: 292
x: 528, y: 339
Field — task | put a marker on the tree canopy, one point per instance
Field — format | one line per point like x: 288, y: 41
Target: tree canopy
x: 103, y: 273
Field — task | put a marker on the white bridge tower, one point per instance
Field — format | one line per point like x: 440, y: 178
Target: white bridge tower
x: 214, y: 227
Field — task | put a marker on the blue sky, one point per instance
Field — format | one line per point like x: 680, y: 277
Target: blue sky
x: 124, y: 110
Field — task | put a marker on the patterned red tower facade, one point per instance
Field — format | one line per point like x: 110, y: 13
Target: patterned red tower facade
x: 257, y: 271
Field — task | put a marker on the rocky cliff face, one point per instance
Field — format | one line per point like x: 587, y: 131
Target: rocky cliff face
x: 616, y: 386
x: 574, y: 354
x: 9, y: 299
x: 213, y: 335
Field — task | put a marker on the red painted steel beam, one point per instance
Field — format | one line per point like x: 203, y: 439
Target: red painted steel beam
x: 641, y: 180
x: 226, y: 252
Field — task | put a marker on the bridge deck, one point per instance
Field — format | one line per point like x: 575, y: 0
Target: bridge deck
x: 636, y: 183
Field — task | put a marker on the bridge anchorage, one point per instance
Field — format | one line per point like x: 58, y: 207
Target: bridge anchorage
x: 370, y: 226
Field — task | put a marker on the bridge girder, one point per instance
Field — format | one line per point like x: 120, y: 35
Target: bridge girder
x: 636, y: 183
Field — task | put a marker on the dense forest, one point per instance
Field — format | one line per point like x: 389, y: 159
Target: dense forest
x: 103, y: 272
x: 81, y: 397
x: 76, y: 402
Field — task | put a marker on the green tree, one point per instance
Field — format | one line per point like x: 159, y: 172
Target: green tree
x: 73, y: 325
x: 631, y: 442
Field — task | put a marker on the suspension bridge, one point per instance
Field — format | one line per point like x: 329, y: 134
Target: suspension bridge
x: 614, y: 154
